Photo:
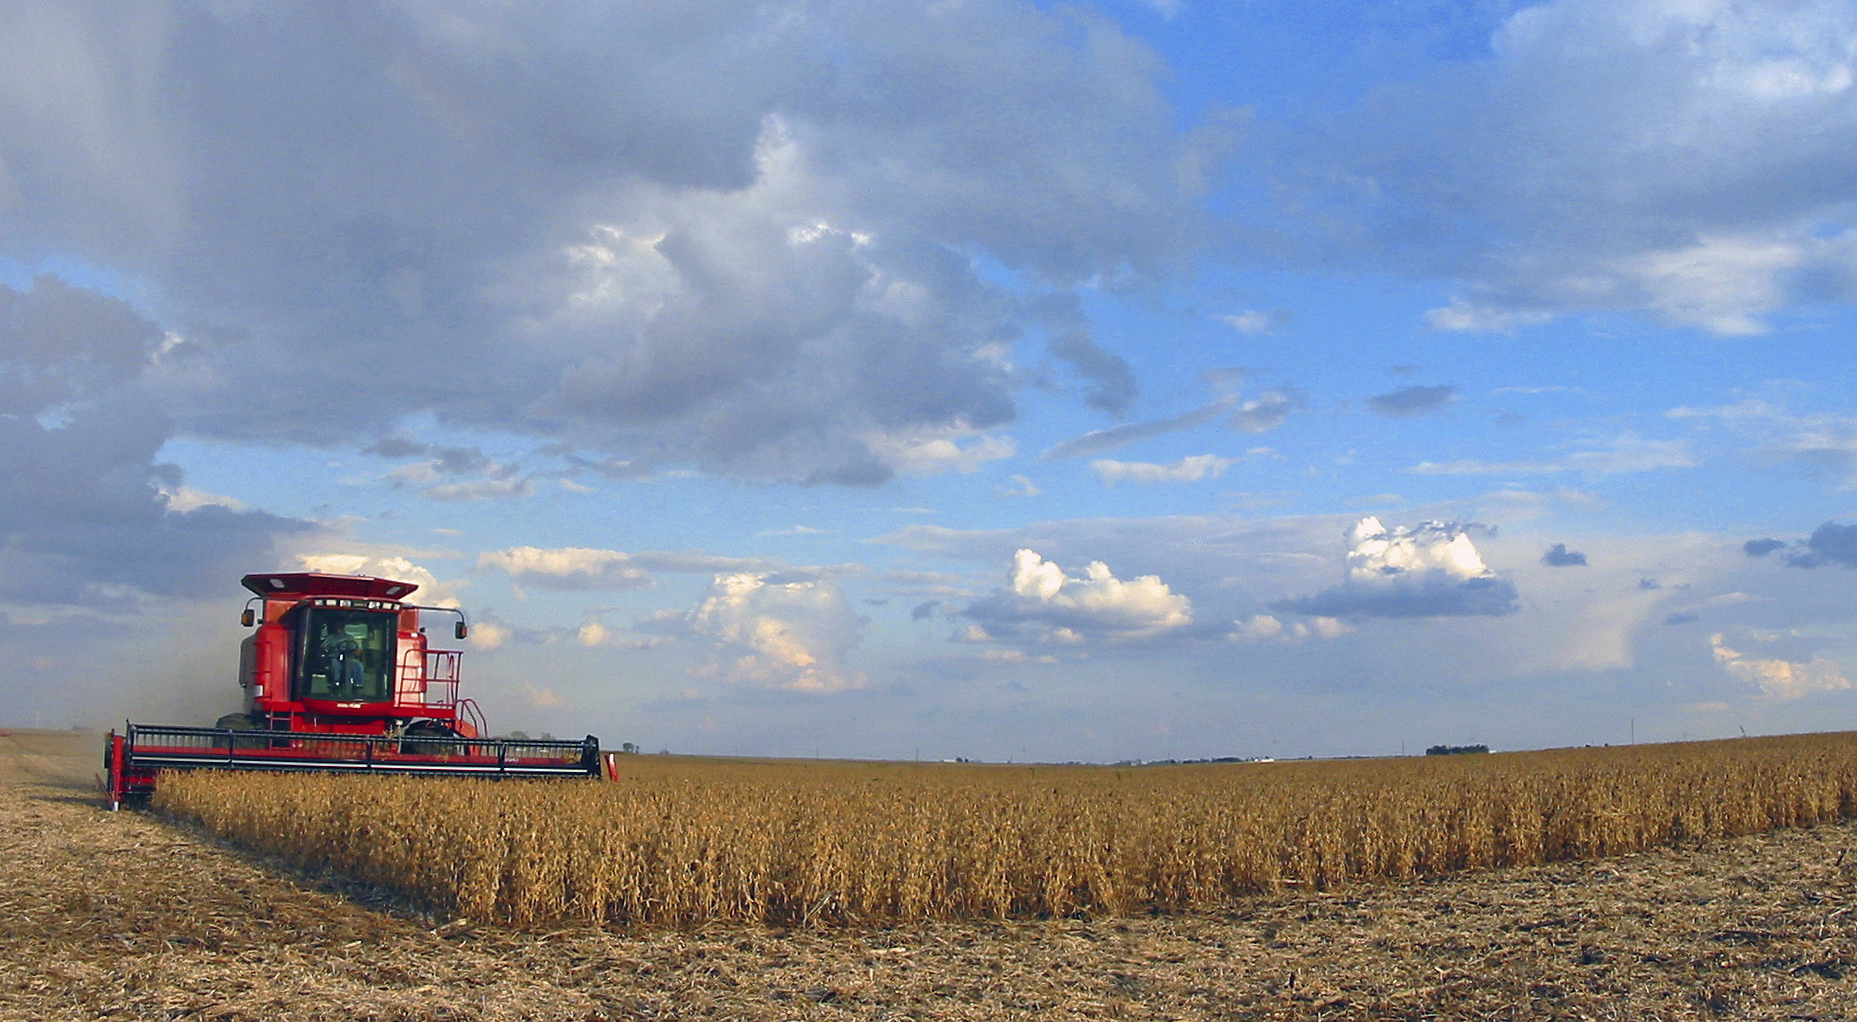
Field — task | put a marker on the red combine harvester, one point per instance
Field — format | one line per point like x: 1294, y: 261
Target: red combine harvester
x: 339, y: 677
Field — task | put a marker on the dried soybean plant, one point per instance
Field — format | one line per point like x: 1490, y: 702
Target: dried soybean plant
x: 683, y: 842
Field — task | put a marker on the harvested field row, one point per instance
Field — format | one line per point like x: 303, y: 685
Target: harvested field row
x: 687, y: 842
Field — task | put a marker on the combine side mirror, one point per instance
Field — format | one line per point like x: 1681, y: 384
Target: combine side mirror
x: 461, y: 631
x: 247, y: 618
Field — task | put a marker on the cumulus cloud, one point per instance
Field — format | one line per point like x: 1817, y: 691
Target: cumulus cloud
x: 1268, y: 628
x: 1762, y: 547
x: 433, y: 591
x: 1778, y: 678
x: 488, y: 633
x: 1427, y: 570
x: 1043, y: 604
x: 739, y: 238
x: 542, y: 697
x: 1191, y: 469
x: 1682, y: 160
x: 1558, y: 556
x: 788, y: 635
x: 1415, y: 400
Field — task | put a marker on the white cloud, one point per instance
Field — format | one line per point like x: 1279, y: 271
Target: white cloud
x: 483, y: 489
x: 488, y: 635
x: 591, y: 632
x: 186, y: 498
x: 1628, y: 454
x: 932, y: 450
x: 1044, y: 604
x: 452, y: 475
x: 1267, y: 628
x: 541, y: 697
x: 432, y: 590
x: 1187, y: 470
x: 789, y: 635
x: 566, y: 567
x: 1022, y: 486
x: 1463, y: 316
x: 1719, y: 283
x: 1813, y: 442
x: 797, y: 530
x: 1376, y: 552
x: 1252, y: 321
x: 1266, y: 411
x: 1016, y: 656
x: 1427, y: 570
x: 1776, y: 678
x: 1103, y: 440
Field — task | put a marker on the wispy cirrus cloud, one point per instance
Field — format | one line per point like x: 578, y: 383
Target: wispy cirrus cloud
x: 1816, y: 443
x: 1104, y: 440
x: 1414, y: 400
x: 1628, y: 453
x: 1191, y: 469
x: 589, y: 568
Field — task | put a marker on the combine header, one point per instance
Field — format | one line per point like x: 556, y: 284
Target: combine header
x: 338, y: 677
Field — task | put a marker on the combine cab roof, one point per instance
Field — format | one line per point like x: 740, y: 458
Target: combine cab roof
x: 285, y: 584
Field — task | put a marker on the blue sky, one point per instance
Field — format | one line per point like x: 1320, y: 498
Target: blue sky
x: 978, y: 379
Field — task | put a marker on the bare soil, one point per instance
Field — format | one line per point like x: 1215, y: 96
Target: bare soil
x: 118, y: 915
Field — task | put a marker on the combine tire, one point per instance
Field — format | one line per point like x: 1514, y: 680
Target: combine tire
x: 412, y: 746
x: 242, y: 722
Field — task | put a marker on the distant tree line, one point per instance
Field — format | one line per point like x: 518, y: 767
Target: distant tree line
x: 1456, y: 750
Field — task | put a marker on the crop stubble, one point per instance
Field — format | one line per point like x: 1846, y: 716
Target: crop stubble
x: 113, y: 915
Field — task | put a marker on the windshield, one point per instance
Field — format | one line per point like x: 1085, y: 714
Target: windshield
x: 346, y: 655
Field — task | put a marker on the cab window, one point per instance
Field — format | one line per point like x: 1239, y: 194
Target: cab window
x: 345, y: 655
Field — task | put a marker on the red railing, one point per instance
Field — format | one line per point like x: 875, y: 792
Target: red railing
x: 430, y: 679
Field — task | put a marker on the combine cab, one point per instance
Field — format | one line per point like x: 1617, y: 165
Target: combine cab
x: 339, y: 677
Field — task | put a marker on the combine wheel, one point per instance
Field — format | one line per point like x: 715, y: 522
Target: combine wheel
x: 242, y: 722
x: 412, y: 746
